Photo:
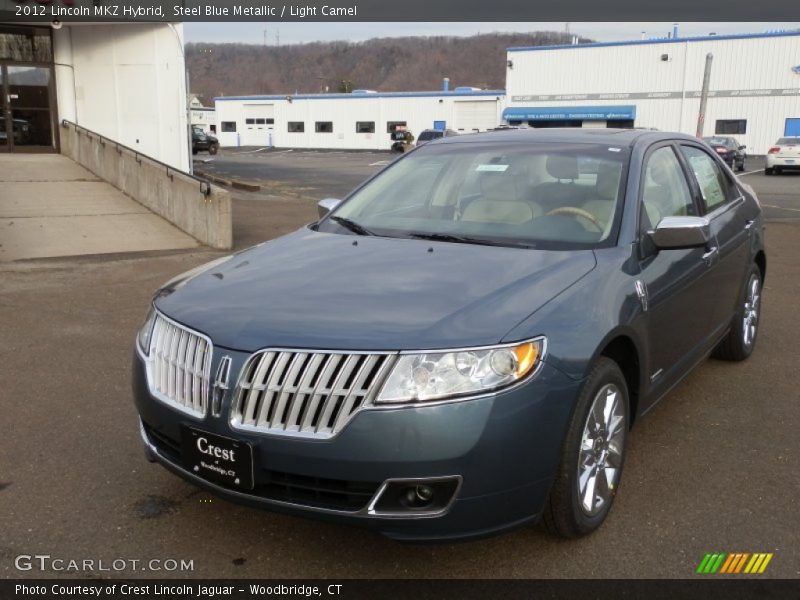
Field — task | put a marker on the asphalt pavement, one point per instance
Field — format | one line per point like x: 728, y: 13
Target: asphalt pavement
x: 712, y: 469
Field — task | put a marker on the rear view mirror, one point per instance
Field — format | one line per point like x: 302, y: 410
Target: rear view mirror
x: 327, y: 205
x: 673, y: 233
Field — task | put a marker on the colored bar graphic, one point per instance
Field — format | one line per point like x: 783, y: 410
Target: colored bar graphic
x: 734, y: 563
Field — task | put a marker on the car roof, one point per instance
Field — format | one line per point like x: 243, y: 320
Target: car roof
x: 626, y: 137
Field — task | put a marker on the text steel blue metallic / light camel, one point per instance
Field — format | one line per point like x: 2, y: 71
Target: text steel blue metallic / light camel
x: 461, y: 345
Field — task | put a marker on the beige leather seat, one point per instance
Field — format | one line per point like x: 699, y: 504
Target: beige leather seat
x: 563, y: 192
x: 500, y: 201
x: 604, y: 197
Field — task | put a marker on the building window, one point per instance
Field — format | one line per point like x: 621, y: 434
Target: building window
x: 392, y: 125
x: 365, y: 127
x: 213, y: 128
x: 731, y: 126
x: 260, y: 121
x: 323, y: 126
x: 249, y: 121
x: 228, y: 126
x: 270, y: 121
x: 296, y: 127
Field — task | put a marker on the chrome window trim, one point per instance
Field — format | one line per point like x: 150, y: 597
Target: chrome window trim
x: 365, y: 512
x: 147, y: 359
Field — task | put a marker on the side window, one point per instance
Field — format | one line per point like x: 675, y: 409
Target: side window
x: 666, y: 192
x: 714, y: 185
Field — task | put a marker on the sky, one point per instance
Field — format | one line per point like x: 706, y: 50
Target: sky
x: 298, y: 33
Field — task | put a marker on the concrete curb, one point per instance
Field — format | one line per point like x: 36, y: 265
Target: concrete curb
x: 234, y: 183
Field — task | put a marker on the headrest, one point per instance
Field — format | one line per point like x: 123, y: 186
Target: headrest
x: 562, y: 166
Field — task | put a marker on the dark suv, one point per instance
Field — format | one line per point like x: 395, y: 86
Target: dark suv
x: 729, y: 151
x: 203, y: 142
x: 462, y: 345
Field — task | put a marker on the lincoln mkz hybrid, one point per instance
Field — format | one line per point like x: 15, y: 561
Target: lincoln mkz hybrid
x: 461, y: 345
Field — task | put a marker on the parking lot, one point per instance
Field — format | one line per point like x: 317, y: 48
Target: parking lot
x: 713, y: 468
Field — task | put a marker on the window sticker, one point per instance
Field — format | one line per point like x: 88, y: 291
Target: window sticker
x: 492, y: 168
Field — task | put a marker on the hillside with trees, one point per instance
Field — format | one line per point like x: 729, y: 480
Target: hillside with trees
x: 382, y: 64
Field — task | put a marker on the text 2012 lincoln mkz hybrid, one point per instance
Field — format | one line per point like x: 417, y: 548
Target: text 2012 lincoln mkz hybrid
x: 461, y: 345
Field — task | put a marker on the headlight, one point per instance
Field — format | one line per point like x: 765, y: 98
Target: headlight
x: 146, y: 332
x: 433, y: 376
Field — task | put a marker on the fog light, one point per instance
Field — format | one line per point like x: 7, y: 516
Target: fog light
x: 424, y: 493
x: 430, y: 496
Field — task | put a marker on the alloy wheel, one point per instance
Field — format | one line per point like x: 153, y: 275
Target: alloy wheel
x: 751, y: 307
x: 600, y: 454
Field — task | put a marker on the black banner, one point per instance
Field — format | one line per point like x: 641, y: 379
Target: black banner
x: 383, y: 10
x: 589, y: 589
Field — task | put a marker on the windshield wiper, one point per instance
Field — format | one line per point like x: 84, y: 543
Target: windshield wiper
x: 463, y: 239
x: 351, y: 225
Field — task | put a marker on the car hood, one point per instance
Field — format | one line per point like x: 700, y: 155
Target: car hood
x: 330, y: 291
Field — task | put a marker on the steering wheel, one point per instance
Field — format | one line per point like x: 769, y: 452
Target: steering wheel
x: 576, y: 212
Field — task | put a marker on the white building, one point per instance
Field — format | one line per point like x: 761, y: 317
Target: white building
x: 123, y: 81
x: 755, y: 86
x: 360, y: 120
x: 202, y: 117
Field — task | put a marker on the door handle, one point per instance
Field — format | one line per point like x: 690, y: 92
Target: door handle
x: 748, y: 224
x: 711, y: 254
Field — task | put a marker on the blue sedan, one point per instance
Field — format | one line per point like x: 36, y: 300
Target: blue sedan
x: 460, y: 346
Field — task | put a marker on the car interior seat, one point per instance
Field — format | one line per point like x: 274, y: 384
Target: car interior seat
x: 500, y: 201
x: 604, y: 196
x: 564, y: 191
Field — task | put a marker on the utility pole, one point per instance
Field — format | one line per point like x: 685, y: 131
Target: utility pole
x: 701, y: 116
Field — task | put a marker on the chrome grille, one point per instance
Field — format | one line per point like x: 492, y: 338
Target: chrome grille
x: 178, y: 366
x: 311, y: 393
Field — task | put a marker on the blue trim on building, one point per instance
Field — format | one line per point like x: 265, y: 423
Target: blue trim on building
x: 436, y: 94
x: 570, y: 113
x: 678, y: 40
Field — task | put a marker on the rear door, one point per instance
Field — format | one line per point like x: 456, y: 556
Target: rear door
x: 722, y: 202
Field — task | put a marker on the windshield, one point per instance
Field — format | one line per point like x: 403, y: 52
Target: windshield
x: 429, y: 135
x: 788, y: 141
x: 553, y: 196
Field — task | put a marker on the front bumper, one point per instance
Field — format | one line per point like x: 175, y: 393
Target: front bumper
x: 503, y: 448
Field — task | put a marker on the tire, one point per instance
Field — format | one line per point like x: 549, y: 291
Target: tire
x: 741, y: 166
x: 567, y: 513
x: 739, y: 343
x: 768, y: 171
x: 778, y: 171
x: 213, y: 149
x: 194, y: 151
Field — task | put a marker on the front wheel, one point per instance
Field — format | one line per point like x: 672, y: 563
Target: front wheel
x: 592, y: 456
x: 213, y: 149
x: 740, y: 341
x: 741, y: 166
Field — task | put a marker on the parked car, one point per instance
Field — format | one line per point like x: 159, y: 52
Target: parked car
x: 729, y: 150
x: 461, y: 346
x: 428, y: 135
x: 783, y: 156
x: 203, y: 142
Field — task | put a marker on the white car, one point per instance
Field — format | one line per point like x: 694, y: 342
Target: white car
x: 784, y: 155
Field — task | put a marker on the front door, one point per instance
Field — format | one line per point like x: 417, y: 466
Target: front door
x: 27, y: 84
x: 27, y: 108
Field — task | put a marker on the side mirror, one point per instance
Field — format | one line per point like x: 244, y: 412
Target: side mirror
x: 674, y: 233
x: 327, y: 205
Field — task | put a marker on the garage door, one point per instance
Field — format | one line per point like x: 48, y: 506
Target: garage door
x: 259, y: 123
x: 475, y: 115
